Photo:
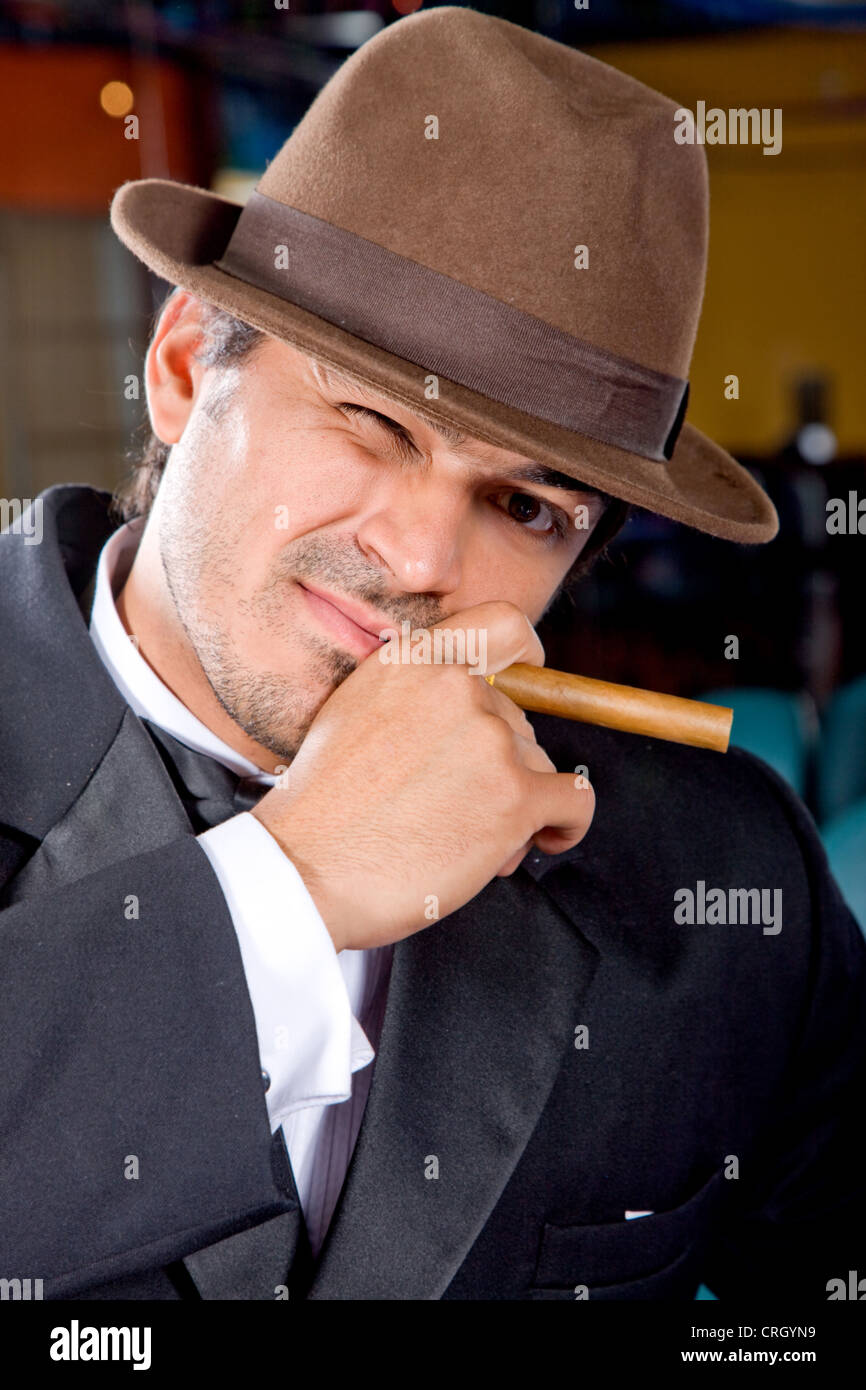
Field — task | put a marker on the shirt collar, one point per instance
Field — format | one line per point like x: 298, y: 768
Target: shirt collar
x: 139, y: 684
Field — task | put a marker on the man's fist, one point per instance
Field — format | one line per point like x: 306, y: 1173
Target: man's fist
x: 418, y: 784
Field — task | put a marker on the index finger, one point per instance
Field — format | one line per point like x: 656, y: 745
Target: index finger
x: 493, y: 635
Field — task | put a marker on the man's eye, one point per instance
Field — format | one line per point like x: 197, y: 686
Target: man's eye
x: 395, y: 436
x: 525, y: 510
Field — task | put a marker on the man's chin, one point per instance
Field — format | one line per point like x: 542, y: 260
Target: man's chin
x: 273, y: 736
x: 275, y: 710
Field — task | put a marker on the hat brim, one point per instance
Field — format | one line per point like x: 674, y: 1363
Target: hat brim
x: 178, y: 231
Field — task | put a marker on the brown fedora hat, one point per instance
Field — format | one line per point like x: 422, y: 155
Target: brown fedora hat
x: 496, y: 229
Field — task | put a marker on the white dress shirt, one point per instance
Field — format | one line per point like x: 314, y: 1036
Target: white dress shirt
x: 306, y: 997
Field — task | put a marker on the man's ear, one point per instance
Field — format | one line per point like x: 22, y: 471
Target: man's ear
x: 172, y: 373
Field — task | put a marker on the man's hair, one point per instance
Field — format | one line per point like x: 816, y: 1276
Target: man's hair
x: 226, y: 341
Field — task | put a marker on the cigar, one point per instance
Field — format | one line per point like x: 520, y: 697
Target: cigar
x: 616, y: 706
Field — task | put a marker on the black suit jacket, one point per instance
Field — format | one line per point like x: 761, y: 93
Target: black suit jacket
x: 718, y: 1087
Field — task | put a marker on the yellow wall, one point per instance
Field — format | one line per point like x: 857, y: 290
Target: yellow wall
x: 786, y: 285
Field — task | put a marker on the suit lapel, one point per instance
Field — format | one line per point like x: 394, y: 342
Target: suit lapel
x: 56, y: 728
x: 480, y: 1016
x: 127, y: 807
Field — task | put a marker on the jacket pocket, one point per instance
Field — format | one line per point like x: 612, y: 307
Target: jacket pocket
x: 620, y: 1252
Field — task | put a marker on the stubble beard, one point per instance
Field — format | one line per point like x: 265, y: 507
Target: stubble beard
x: 273, y: 708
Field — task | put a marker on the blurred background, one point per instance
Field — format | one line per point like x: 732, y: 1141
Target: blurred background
x: 206, y: 91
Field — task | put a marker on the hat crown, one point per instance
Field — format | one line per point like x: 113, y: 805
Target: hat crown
x: 540, y: 149
x: 445, y: 270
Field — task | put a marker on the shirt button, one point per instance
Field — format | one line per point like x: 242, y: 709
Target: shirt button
x: 267, y: 1080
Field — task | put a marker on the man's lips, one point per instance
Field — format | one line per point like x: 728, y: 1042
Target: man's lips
x: 348, y: 622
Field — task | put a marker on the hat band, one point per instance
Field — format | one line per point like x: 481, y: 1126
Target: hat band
x: 453, y: 330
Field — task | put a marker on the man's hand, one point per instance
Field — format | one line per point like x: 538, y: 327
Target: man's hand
x: 416, y: 785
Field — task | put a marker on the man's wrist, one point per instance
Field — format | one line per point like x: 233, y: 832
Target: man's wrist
x: 313, y: 881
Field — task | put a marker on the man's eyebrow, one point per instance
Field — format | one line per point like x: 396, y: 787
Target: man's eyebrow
x: 337, y: 381
x: 549, y: 477
x: 449, y: 433
x: 525, y: 473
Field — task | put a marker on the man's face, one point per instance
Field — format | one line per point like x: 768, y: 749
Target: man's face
x: 285, y: 495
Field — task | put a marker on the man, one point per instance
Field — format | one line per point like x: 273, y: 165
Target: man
x: 324, y: 974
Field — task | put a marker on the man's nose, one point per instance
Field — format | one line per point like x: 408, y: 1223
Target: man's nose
x: 417, y: 533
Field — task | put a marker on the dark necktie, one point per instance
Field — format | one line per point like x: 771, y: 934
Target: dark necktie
x: 209, y: 791
x: 252, y: 1264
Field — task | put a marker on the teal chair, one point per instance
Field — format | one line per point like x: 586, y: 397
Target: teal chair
x: 842, y: 757
x: 845, y: 842
x: 779, y: 726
